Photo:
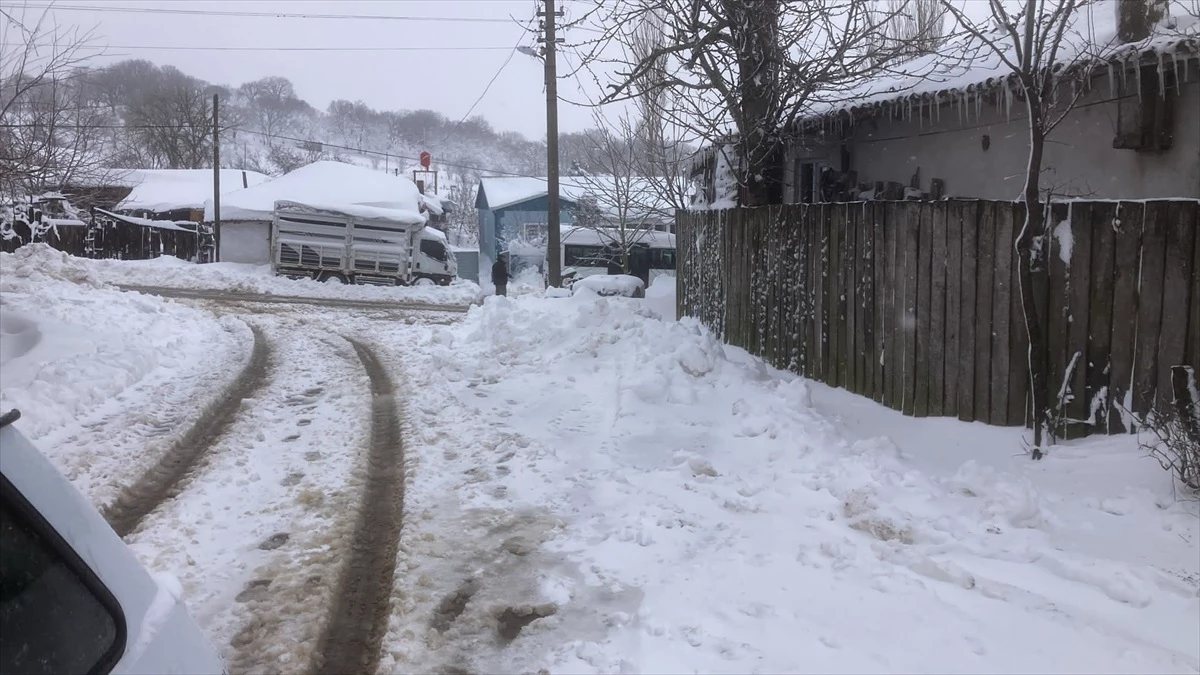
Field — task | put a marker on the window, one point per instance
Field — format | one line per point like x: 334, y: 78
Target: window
x: 55, y: 615
x: 534, y: 231
x: 434, y: 249
x: 585, y: 256
x: 663, y: 259
x: 1146, y: 110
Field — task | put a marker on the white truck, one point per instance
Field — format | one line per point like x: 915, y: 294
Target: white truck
x: 358, y: 244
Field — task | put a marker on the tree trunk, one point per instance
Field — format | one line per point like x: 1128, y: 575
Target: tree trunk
x: 1026, y: 266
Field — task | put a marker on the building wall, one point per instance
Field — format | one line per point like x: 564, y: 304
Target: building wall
x: 246, y: 242
x: 1079, y: 161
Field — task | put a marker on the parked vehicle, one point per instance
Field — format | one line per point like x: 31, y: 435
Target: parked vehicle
x: 358, y: 244
x: 588, y: 252
x: 73, y: 598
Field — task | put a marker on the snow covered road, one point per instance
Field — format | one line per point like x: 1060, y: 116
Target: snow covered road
x: 576, y: 485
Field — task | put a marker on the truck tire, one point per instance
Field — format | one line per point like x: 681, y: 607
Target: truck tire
x: 424, y: 281
x: 332, y: 277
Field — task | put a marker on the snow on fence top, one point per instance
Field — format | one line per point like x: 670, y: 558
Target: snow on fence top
x: 159, y: 190
x: 146, y: 222
x: 966, y: 67
x: 322, y: 183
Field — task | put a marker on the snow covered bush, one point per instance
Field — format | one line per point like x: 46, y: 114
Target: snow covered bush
x: 1176, y: 435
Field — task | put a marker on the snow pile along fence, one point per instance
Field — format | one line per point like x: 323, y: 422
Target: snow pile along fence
x: 916, y: 304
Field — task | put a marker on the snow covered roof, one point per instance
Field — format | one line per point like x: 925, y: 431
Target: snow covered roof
x: 966, y: 66
x: 332, y: 183
x: 146, y: 222
x: 161, y: 190
x: 383, y: 212
x: 584, y: 236
x: 646, y: 200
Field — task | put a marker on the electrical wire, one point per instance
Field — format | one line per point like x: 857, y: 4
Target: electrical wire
x: 440, y: 48
x: 271, y: 15
x: 485, y: 89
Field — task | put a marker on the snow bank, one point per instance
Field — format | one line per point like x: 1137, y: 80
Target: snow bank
x: 667, y: 504
x: 172, y: 272
x: 102, y: 376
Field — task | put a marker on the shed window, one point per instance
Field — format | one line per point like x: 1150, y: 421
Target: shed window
x: 1146, y: 110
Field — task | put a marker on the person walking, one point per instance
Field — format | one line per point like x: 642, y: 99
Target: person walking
x: 500, y: 275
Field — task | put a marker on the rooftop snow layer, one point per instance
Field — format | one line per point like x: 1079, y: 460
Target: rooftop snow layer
x: 388, y: 212
x: 644, y: 198
x: 601, y: 236
x: 966, y: 65
x: 159, y: 190
x: 323, y: 183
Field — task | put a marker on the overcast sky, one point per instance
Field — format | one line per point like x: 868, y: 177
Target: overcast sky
x: 451, y: 64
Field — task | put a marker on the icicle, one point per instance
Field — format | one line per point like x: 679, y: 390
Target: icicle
x: 1112, y: 79
x: 1175, y: 69
x: 1162, y: 80
x: 1124, y: 76
x: 1139, y: 82
x: 958, y: 103
x: 1007, y: 101
x: 978, y: 105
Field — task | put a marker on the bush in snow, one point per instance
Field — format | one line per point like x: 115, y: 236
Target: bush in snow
x: 1176, y: 431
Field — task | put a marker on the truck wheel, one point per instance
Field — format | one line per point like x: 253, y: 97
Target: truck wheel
x: 424, y: 281
x: 332, y: 278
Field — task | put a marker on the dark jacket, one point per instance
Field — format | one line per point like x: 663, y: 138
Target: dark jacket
x: 500, y: 273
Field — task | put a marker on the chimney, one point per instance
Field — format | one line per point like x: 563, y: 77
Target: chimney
x: 1137, y: 18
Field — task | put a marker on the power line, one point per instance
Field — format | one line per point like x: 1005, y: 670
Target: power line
x: 439, y: 48
x: 485, y: 90
x: 270, y: 15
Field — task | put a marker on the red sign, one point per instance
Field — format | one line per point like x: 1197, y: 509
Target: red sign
x: 425, y: 159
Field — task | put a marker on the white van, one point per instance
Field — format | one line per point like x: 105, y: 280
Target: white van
x: 73, y: 598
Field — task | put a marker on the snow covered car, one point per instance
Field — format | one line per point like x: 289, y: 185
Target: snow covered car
x: 73, y: 598
x: 610, y: 284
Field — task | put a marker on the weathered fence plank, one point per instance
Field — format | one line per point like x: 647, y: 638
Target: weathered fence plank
x: 1018, y: 338
x: 908, y: 322
x: 954, y: 214
x: 1001, y: 312
x: 1193, y: 337
x: 1103, y: 219
x: 879, y: 287
x: 1181, y: 238
x: 985, y: 268
x: 1127, y: 245
x: 1150, y: 308
x: 968, y: 304
x: 1061, y: 242
x: 923, y: 313
x: 1079, y: 292
x: 937, y: 314
x: 893, y: 293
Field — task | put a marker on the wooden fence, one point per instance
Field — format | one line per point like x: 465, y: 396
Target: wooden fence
x: 114, y: 236
x: 917, y: 304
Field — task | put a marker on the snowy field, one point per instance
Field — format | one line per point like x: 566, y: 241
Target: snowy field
x: 593, y: 487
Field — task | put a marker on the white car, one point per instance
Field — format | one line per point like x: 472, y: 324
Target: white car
x: 73, y: 598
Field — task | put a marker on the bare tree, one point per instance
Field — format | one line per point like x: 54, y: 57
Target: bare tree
x: 912, y: 28
x: 618, y: 203
x: 170, y: 121
x: 743, y: 68
x: 50, y: 132
x: 1047, y: 48
x: 273, y: 107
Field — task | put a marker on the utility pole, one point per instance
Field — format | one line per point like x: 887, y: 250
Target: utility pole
x: 216, y: 184
x: 553, y: 250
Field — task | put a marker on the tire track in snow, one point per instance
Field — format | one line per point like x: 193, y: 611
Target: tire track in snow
x: 358, y: 620
x: 158, y: 483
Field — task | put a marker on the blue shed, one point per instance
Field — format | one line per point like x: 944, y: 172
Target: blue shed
x: 513, y: 217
